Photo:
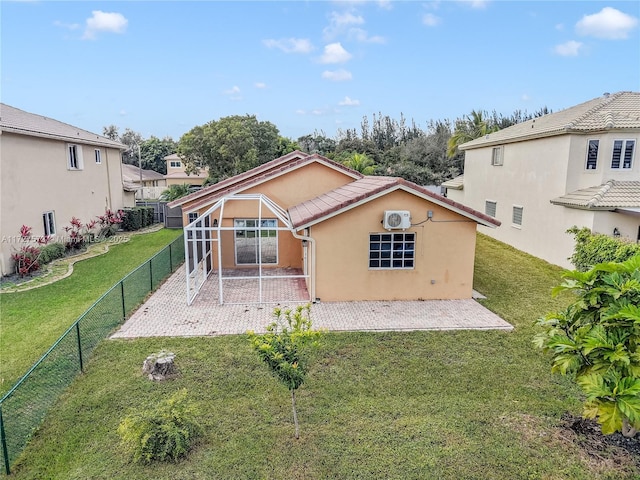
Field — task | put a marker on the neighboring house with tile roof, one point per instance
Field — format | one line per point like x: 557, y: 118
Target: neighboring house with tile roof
x: 51, y: 172
x: 176, y: 174
x: 578, y: 166
x: 351, y: 237
x: 153, y: 183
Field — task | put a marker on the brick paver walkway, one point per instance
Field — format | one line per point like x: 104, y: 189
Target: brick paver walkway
x: 166, y: 313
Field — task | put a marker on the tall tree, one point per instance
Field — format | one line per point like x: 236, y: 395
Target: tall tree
x: 153, y: 151
x: 229, y: 146
x: 469, y: 128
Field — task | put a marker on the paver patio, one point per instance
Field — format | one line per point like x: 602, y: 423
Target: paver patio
x: 166, y: 312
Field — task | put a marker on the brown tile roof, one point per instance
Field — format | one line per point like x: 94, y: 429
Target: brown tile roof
x: 613, y: 194
x: 256, y: 176
x: 18, y: 121
x: 616, y: 111
x: 360, y: 191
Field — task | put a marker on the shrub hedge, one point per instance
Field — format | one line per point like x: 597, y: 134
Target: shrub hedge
x: 51, y: 252
x: 593, y: 248
x: 136, y: 218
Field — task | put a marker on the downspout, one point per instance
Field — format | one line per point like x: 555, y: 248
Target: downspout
x: 109, y: 199
x: 312, y: 273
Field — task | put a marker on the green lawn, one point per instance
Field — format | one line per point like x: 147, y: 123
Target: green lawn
x: 405, y: 405
x: 32, y: 321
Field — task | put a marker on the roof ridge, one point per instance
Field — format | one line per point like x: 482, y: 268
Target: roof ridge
x: 599, y: 195
x: 603, y: 103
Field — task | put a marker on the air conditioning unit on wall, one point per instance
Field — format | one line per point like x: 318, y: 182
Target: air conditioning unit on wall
x: 396, y: 219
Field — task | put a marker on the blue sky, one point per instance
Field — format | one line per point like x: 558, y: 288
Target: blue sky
x: 161, y: 68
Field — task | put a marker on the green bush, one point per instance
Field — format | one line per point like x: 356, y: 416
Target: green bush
x: 594, y: 248
x: 51, y: 252
x: 164, y: 433
x: 136, y: 218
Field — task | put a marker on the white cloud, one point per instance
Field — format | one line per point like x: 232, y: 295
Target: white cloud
x: 301, y: 112
x: 349, y: 102
x: 431, y: 20
x: 525, y: 97
x: 362, y: 36
x: 335, y: 53
x: 68, y: 26
x: 568, y: 49
x: 478, y: 4
x: 337, y: 75
x: 104, y: 22
x: 260, y: 85
x: 290, y: 45
x: 339, y: 23
x: 123, y: 113
x: 609, y: 23
x: 560, y: 27
x: 233, y: 90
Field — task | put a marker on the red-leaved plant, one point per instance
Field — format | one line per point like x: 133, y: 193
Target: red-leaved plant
x: 26, y: 259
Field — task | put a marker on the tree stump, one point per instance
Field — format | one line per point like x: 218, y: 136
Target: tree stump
x: 160, y: 366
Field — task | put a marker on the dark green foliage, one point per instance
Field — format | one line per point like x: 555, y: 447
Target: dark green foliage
x: 596, y: 341
x: 175, y: 192
x: 163, y: 433
x: 136, y: 218
x: 229, y: 146
x: 594, y: 248
x: 51, y: 252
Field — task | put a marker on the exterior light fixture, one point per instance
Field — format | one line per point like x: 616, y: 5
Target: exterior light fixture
x: 616, y: 232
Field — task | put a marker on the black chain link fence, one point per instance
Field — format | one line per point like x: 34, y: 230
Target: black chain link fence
x: 24, y: 407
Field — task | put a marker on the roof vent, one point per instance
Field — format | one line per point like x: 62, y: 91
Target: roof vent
x: 606, y: 94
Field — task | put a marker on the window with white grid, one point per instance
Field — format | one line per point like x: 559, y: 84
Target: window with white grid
x: 392, y: 250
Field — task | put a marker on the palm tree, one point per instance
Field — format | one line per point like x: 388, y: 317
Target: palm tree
x: 174, y: 192
x: 360, y: 162
x: 473, y: 126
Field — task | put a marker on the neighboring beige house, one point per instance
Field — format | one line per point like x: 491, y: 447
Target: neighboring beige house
x: 50, y: 172
x: 176, y: 174
x: 351, y: 237
x: 153, y: 183
x: 541, y: 177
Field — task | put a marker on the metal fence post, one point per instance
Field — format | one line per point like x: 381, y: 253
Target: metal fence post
x: 79, y: 346
x: 124, y: 308
x: 150, y: 275
x: 171, y: 257
x: 3, y: 439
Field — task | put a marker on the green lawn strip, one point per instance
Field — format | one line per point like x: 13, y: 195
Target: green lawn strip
x: 423, y: 405
x: 31, y: 321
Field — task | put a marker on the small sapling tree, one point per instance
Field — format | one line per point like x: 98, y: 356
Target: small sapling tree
x: 285, y: 347
x: 596, y: 340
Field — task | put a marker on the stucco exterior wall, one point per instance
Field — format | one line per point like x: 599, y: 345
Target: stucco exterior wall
x: 35, y: 179
x: 532, y: 173
x: 444, y: 255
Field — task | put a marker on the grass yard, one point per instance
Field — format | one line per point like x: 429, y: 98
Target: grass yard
x: 31, y: 321
x: 405, y: 405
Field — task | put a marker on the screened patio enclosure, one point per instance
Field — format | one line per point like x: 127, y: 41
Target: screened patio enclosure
x: 246, y: 244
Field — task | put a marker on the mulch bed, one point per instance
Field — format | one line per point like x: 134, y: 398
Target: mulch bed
x: 590, y: 437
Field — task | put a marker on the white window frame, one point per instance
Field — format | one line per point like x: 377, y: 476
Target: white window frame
x: 49, y: 223
x: 192, y: 216
x: 98, y: 155
x: 588, y: 159
x: 513, y: 216
x: 622, y: 159
x: 392, y: 250
x: 74, y: 157
x: 175, y: 163
x: 270, y: 225
x: 487, y: 203
x: 497, y: 156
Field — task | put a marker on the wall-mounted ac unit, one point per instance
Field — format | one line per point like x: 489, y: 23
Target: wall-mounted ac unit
x: 396, y: 219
